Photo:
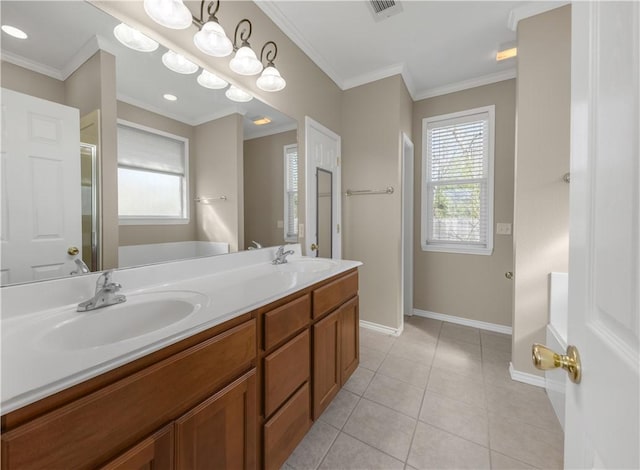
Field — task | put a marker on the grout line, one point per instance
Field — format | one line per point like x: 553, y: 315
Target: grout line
x: 373, y: 447
x: 324, y: 456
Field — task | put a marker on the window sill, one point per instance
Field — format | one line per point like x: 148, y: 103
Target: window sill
x: 152, y: 221
x: 458, y: 249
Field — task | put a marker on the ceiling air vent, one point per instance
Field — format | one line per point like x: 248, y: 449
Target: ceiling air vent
x: 383, y: 9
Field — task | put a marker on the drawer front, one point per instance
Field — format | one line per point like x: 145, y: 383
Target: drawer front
x: 334, y: 294
x: 285, y: 430
x: 98, y: 427
x: 282, y: 322
x: 285, y: 370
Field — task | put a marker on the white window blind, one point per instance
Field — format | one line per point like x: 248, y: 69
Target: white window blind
x: 458, y: 182
x: 291, y: 193
x: 152, y: 176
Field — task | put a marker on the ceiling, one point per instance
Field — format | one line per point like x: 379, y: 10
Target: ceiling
x: 437, y: 46
x: 64, y: 34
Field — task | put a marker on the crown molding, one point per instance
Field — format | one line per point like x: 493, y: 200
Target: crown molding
x: 31, y: 65
x: 386, y: 72
x: 270, y: 8
x: 466, y: 84
x: 529, y: 10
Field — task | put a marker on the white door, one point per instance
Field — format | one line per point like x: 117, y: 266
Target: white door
x: 602, y: 412
x: 407, y: 226
x: 322, y: 150
x: 40, y: 188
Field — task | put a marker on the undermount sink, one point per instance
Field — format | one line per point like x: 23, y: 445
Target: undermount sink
x: 307, y: 265
x: 141, y: 314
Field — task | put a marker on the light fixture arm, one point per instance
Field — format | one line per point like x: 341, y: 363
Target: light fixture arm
x: 271, y: 53
x: 199, y: 22
x: 244, y: 36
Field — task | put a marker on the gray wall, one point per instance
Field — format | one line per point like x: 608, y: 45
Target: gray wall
x: 31, y: 83
x: 464, y: 285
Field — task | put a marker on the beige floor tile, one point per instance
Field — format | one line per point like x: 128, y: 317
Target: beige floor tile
x: 523, y: 402
x: 461, y: 358
x: 313, y: 448
x: 359, y: 380
x: 502, y: 462
x: 469, y: 422
x: 286, y: 466
x: 420, y: 328
x: 463, y: 333
x: 457, y: 387
x: 374, y: 340
x: 433, y: 448
x: 382, y: 428
x: 371, y: 358
x: 402, y: 369
x: 340, y: 408
x: 421, y: 351
x: 397, y: 395
x: 530, y: 444
x: 348, y: 453
x: 498, y: 341
x: 496, y: 356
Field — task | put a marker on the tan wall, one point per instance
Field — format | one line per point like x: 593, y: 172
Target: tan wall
x: 309, y: 90
x: 372, y: 123
x: 142, y: 234
x: 541, y: 236
x: 464, y: 285
x: 264, y: 187
x: 218, y: 172
x: 31, y: 83
x: 93, y: 86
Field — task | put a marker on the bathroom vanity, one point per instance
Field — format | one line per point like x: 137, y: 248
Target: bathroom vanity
x: 238, y: 393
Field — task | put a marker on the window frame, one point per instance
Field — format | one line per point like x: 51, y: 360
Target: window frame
x: 286, y: 149
x: 427, y: 209
x: 155, y: 220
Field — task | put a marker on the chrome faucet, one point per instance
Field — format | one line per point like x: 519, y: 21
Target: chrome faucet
x: 105, y: 294
x: 256, y: 246
x: 281, y: 255
x: 82, y: 268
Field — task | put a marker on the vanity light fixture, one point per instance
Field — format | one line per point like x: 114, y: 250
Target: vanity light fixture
x: 14, y: 32
x: 178, y: 63
x: 245, y: 61
x: 169, y: 13
x: 211, y: 80
x: 134, y: 39
x: 211, y: 38
x: 236, y: 94
x: 170, y: 97
x: 270, y: 80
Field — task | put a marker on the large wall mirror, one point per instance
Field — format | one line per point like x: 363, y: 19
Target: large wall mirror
x: 197, y: 174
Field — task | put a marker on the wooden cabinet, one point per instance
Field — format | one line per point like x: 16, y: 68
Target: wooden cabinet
x: 154, y: 453
x: 326, y: 362
x: 349, y: 339
x: 220, y: 432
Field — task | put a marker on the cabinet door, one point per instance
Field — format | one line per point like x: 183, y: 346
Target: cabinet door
x: 349, y: 335
x: 326, y: 362
x: 154, y: 453
x: 220, y: 432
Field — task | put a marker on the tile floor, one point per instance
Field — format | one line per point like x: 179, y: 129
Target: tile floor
x: 437, y: 397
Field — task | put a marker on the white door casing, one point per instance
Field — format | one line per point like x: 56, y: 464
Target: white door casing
x: 322, y: 150
x: 602, y: 412
x: 41, y: 202
x: 407, y: 226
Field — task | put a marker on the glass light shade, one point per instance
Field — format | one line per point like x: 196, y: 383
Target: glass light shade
x: 178, y: 63
x: 212, y: 40
x: 245, y: 62
x: 271, y: 80
x: 211, y: 80
x: 236, y: 94
x: 134, y: 39
x: 169, y: 13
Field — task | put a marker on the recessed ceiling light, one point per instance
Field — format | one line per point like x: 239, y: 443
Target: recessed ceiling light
x: 262, y: 121
x: 507, y: 54
x: 15, y: 32
x: 169, y: 97
x: 134, y: 39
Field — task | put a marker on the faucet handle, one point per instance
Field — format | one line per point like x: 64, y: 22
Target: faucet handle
x: 104, y: 279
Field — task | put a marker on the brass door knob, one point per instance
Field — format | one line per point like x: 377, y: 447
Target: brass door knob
x: 73, y: 250
x: 314, y: 247
x: 544, y: 359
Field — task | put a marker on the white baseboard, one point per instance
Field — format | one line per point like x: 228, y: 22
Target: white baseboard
x: 381, y: 328
x: 526, y: 378
x: 507, y: 330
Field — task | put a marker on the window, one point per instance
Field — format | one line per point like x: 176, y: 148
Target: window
x: 457, y: 189
x: 152, y: 176
x: 291, y: 193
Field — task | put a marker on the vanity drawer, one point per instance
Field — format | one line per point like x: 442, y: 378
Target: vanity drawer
x: 334, y: 294
x: 99, y: 426
x: 285, y: 430
x: 286, y: 320
x: 285, y: 370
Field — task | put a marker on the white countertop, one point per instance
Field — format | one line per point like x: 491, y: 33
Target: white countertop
x: 222, y: 287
